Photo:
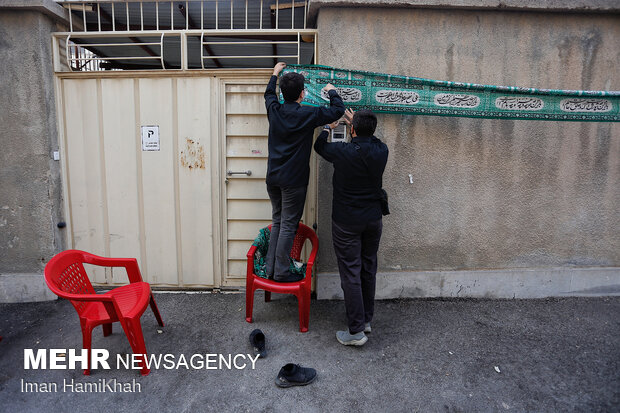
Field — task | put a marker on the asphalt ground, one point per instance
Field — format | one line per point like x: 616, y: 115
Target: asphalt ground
x: 424, y: 355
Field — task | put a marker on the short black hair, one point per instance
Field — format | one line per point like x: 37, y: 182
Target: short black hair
x: 364, y: 122
x: 291, y: 85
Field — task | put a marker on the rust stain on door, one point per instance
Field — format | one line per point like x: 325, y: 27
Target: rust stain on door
x: 193, y: 156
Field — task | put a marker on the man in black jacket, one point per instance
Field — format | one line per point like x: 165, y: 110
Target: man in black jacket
x: 291, y: 129
x: 356, y: 217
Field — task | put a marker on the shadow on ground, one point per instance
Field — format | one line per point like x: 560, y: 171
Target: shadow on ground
x: 422, y: 356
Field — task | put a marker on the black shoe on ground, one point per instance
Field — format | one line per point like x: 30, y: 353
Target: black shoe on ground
x: 288, y: 278
x: 295, y: 375
x: 257, y: 339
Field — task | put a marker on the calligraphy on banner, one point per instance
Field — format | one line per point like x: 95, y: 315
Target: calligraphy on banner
x: 457, y: 101
x: 348, y: 94
x: 400, y: 97
x: 519, y: 103
x: 585, y: 105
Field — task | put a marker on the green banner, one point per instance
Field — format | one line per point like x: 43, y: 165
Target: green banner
x: 384, y: 93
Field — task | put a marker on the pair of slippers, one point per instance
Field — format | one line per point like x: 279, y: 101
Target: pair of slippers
x: 291, y: 374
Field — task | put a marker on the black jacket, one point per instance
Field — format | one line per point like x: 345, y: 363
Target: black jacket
x: 291, y: 129
x: 357, y: 180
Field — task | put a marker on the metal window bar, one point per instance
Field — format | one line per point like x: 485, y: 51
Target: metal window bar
x: 253, y: 43
x: 77, y: 52
x: 202, y: 42
x: 163, y: 66
x: 249, y: 26
x: 250, y: 43
x: 251, y: 57
x: 87, y: 7
x: 70, y: 18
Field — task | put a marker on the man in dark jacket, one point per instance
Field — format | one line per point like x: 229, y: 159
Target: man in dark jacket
x: 291, y: 129
x: 356, y: 217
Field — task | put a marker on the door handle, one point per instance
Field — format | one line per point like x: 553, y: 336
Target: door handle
x: 248, y: 173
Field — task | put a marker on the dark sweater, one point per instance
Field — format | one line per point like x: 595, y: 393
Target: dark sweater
x: 357, y: 180
x: 291, y: 129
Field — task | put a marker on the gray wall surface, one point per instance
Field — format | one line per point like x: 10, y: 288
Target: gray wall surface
x: 30, y: 187
x: 487, y: 194
x: 577, y: 6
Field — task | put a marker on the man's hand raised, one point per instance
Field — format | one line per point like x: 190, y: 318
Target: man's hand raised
x: 348, y: 116
x: 329, y: 87
x: 278, y: 68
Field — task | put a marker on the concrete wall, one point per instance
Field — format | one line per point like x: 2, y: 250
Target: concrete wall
x: 487, y: 194
x: 563, y: 6
x: 30, y: 187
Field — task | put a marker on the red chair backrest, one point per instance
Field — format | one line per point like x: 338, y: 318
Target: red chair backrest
x: 65, y: 273
x: 303, y: 233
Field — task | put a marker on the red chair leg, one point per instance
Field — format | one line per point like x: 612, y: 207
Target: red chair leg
x: 86, y: 344
x: 249, y: 302
x: 133, y: 330
x: 156, y: 311
x: 307, y: 312
x: 303, y: 303
x: 267, y: 296
x: 107, y: 329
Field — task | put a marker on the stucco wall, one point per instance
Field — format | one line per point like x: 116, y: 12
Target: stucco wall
x: 487, y: 194
x: 30, y: 191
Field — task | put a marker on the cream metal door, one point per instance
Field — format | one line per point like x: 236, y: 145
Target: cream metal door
x: 247, y: 207
x: 122, y: 201
x: 177, y: 210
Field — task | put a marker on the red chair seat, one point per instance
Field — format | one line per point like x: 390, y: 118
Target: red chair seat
x: 132, y: 299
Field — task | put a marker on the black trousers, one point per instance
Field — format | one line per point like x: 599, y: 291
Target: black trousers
x: 356, y: 250
x: 287, y: 206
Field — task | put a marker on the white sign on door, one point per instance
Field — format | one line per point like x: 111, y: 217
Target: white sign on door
x: 150, y: 138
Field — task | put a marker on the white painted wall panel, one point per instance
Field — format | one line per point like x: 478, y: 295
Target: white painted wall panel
x: 121, y: 145
x: 158, y: 182
x: 195, y: 167
x: 84, y: 170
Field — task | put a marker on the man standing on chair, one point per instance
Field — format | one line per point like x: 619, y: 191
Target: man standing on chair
x: 357, y: 208
x: 291, y: 129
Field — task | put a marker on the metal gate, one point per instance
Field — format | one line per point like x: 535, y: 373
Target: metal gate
x: 187, y: 211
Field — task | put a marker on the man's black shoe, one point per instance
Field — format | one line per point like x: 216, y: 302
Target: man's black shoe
x: 288, y: 278
x: 257, y: 339
x: 295, y: 375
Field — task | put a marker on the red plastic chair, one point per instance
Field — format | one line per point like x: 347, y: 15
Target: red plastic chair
x: 301, y: 289
x: 66, y: 277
